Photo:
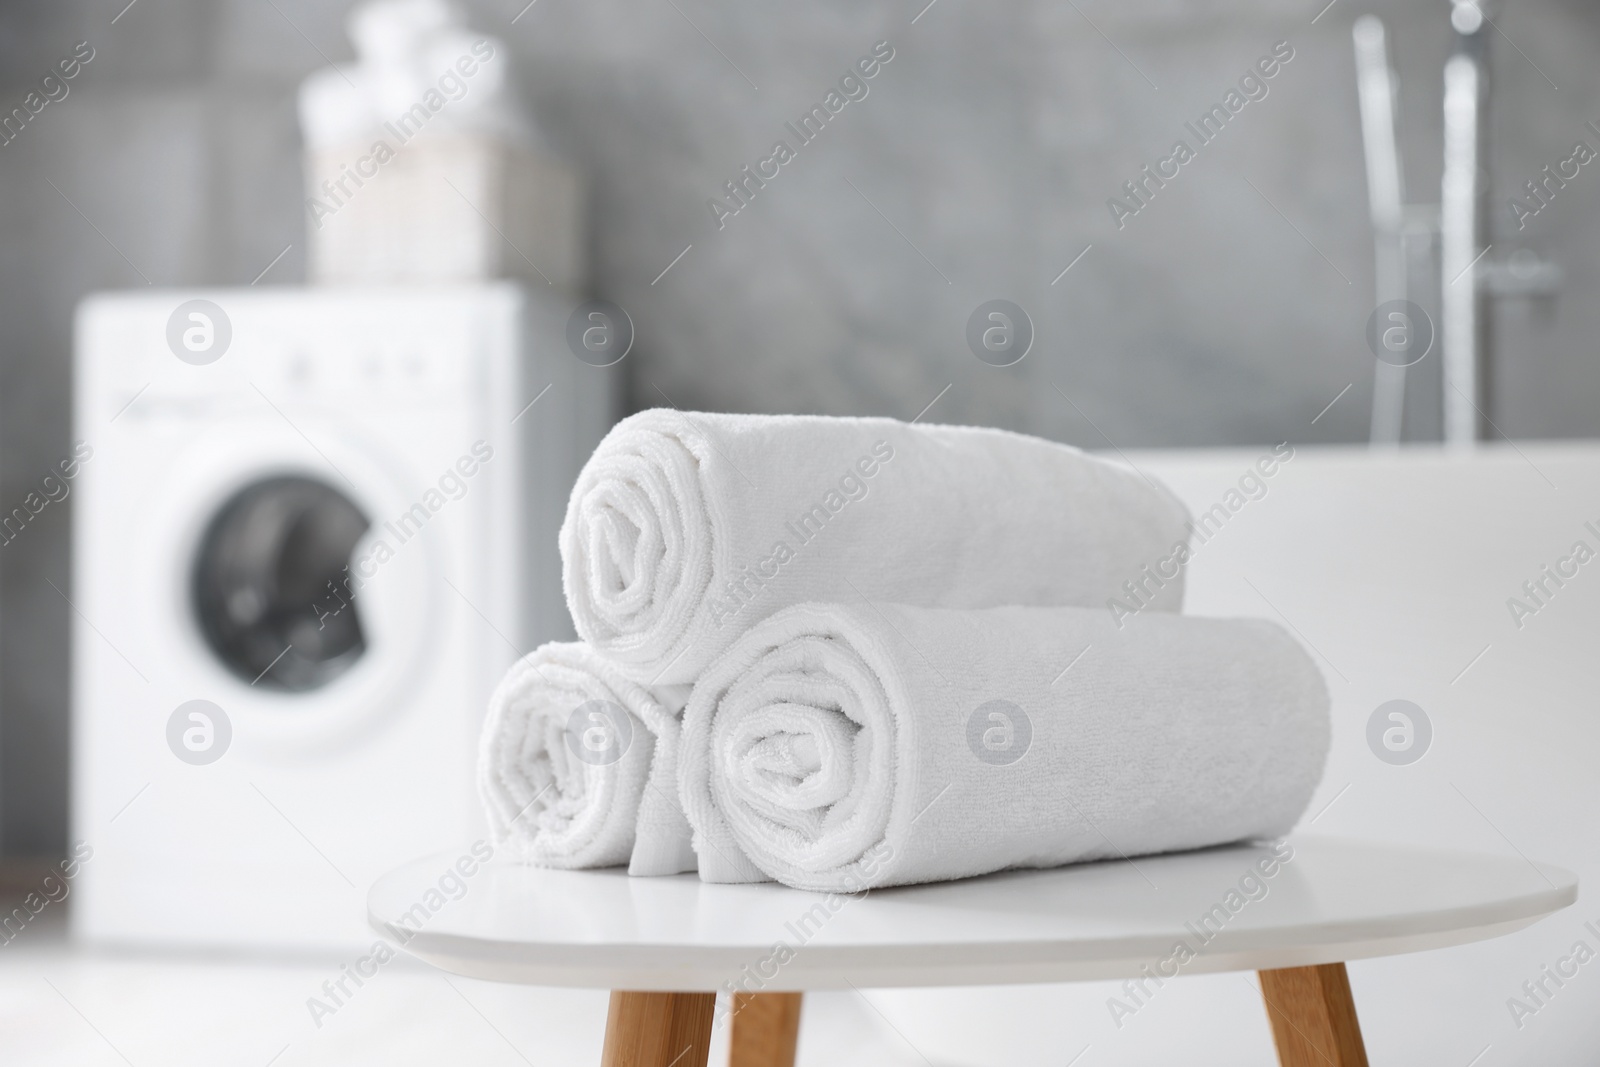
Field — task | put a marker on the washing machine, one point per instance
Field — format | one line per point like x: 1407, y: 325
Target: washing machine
x: 313, y: 529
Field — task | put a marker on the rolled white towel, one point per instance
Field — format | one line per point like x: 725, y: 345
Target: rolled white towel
x: 577, y: 765
x: 836, y: 747
x: 684, y: 529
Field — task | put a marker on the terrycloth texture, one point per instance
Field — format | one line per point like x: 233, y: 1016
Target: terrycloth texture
x: 836, y: 747
x: 577, y: 766
x: 685, y: 529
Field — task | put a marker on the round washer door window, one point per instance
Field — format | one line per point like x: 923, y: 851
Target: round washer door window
x: 269, y: 584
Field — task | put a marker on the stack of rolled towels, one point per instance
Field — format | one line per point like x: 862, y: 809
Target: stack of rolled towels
x: 841, y: 653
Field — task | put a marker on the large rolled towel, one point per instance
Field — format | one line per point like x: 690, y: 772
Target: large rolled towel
x: 577, y: 765
x: 836, y: 747
x: 684, y: 529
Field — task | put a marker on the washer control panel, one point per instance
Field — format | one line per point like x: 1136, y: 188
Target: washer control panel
x: 208, y: 353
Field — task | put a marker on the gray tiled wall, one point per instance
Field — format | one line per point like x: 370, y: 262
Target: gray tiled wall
x: 1230, y: 310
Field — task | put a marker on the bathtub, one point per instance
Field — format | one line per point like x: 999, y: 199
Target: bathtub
x: 1452, y: 581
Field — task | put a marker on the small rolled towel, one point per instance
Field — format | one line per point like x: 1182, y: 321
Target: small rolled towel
x: 687, y: 528
x: 577, y: 765
x: 684, y: 529
x: 838, y: 747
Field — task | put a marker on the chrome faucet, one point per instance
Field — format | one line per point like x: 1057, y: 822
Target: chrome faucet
x: 1463, y: 229
x: 1469, y: 277
x: 1378, y: 96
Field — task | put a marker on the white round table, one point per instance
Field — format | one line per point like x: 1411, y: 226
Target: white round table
x: 665, y: 946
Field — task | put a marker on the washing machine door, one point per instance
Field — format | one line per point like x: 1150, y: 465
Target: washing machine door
x: 278, y: 546
x: 280, y: 591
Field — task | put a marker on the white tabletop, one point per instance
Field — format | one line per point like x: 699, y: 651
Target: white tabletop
x: 1333, y: 900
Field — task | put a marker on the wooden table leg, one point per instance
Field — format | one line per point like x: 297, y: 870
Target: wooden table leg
x: 658, y: 1029
x: 765, y: 1026
x: 1313, y: 1016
